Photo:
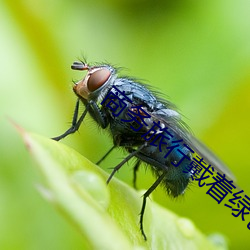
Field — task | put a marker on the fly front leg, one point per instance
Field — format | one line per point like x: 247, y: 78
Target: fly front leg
x: 97, y: 114
x: 75, y: 123
x: 93, y: 109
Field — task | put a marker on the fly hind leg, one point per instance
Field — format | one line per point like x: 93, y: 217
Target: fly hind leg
x: 145, y: 196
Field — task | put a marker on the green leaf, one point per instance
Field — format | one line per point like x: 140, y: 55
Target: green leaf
x: 107, y: 215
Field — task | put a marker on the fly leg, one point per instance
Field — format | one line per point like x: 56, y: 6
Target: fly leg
x: 135, y: 169
x: 132, y: 154
x: 75, y: 124
x: 96, y: 112
x: 145, y: 196
x: 105, y: 155
x: 91, y: 107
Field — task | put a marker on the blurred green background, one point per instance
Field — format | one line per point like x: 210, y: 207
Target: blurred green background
x: 195, y: 52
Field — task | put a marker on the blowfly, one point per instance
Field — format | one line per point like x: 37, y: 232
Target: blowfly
x: 148, y: 127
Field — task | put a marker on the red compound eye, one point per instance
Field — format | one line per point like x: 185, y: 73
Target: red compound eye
x: 97, y: 79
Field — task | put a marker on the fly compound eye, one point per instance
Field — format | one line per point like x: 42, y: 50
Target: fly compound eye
x: 97, y: 79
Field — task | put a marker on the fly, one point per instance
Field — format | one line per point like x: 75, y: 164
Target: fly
x: 148, y: 127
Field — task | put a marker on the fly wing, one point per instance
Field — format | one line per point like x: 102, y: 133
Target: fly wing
x: 171, y: 119
x: 209, y: 157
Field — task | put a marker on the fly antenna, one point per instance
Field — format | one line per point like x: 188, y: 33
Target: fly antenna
x: 79, y: 66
